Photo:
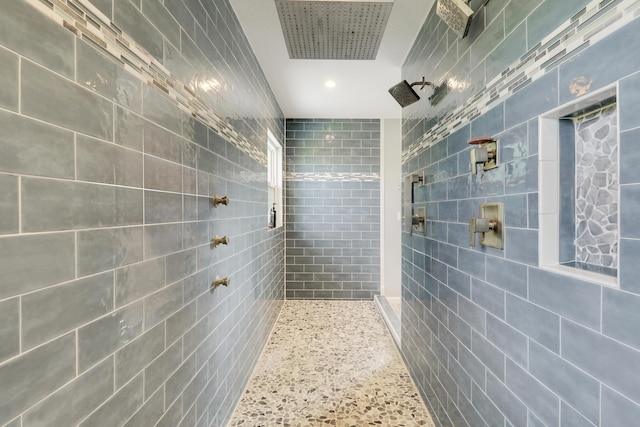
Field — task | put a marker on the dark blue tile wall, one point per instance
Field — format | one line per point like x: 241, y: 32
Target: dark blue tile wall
x: 106, y: 313
x: 332, y: 202
x: 490, y: 338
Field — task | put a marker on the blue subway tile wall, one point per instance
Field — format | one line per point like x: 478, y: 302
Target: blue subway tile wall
x: 491, y: 338
x: 114, y: 136
x: 332, y: 208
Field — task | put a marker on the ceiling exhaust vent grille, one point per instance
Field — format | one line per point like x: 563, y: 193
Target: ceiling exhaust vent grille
x: 333, y: 29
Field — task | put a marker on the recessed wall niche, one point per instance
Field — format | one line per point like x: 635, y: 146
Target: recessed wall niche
x: 578, y: 188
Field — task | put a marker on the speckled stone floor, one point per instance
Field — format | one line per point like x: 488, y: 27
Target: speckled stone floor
x: 330, y: 363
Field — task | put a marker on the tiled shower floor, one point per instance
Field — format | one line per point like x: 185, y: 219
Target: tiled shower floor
x: 330, y: 363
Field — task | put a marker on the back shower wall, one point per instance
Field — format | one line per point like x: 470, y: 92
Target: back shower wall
x: 106, y: 317
x: 332, y: 208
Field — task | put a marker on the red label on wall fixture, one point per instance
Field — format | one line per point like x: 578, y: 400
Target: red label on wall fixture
x: 481, y: 140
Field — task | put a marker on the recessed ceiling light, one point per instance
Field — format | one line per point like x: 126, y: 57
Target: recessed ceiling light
x: 330, y: 83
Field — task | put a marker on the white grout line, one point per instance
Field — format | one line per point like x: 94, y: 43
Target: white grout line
x: 77, y: 343
x: 19, y: 204
x: 19, y: 85
x: 20, y: 343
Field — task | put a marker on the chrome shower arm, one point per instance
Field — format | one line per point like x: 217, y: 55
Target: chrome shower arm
x: 423, y: 83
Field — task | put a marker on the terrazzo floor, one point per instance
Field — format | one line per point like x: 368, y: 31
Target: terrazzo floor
x: 330, y: 363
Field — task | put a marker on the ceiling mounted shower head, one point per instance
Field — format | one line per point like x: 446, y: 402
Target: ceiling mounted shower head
x: 333, y: 29
x: 456, y: 14
x: 404, y: 94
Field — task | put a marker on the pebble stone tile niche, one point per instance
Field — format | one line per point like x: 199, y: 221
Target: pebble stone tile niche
x: 579, y: 187
x: 596, y: 190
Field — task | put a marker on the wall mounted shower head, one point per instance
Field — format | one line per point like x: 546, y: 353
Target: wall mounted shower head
x: 405, y: 95
x: 456, y: 14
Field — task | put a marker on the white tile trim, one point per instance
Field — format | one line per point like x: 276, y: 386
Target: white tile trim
x: 548, y: 188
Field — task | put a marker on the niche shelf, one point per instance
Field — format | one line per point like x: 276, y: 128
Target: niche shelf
x: 579, y: 188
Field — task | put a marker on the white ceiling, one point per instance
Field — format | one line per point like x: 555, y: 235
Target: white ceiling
x: 361, y: 86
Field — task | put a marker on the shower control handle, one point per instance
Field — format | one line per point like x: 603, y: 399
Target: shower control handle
x: 219, y: 240
x: 489, y: 225
x: 478, y: 155
x: 479, y: 225
x: 217, y: 200
x: 219, y: 282
x: 485, y: 153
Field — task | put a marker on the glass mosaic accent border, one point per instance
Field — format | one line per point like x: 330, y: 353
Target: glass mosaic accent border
x: 88, y: 23
x: 597, y: 20
x: 332, y: 176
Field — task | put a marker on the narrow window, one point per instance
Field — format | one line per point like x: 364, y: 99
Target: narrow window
x: 274, y: 181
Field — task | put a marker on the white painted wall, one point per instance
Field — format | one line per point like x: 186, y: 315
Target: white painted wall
x: 390, y: 203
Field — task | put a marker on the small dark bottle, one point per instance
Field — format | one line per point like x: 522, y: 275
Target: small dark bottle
x: 272, y: 220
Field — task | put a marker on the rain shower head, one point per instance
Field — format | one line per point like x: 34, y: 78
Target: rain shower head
x: 404, y: 94
x: 333, y: 29
x: 456, y: 14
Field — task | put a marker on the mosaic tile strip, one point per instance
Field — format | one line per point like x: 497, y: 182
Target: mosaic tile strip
x: 332, y: 176
x: 597, y: 188
x: 330, y: 363
x: 598, y: 20
x: 88, y: 23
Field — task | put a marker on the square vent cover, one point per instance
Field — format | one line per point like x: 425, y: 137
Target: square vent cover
x: 333, y: 29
